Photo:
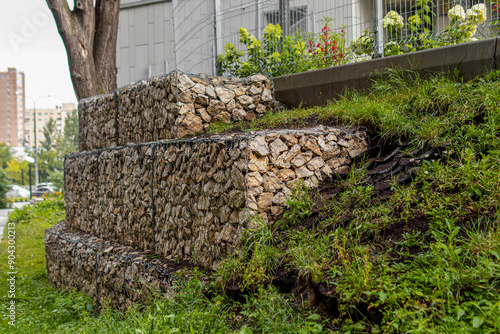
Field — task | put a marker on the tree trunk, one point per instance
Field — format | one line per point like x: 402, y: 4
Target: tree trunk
x: 89, y: 34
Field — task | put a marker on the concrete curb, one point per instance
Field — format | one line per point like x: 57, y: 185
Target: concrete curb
x: 317, y: 87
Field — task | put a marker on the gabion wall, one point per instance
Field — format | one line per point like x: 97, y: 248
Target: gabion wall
x: 170, y: 107
x: 106, y: 271
x: 188, y: 199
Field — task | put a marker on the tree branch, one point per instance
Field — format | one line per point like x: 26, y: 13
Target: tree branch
x: 62, y: 15
x: 106, y: 32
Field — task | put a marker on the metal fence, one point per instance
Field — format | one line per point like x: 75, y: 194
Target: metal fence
x: 317, y: 33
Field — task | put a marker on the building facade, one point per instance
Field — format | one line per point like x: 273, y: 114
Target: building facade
x: 12, y: 104
x: 43, y: 115
x: 145, y: 45
x: 158, y: 36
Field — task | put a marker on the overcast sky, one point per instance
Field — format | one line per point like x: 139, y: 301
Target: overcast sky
x: 29, y: 41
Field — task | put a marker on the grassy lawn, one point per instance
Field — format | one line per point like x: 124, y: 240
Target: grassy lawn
x: 423, y: 259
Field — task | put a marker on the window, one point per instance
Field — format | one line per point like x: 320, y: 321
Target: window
x: 298, y: 20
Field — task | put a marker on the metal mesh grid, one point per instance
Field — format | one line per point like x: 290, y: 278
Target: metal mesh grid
x: 362, y: 29
x: 106, y: 271
x: 171, y: 106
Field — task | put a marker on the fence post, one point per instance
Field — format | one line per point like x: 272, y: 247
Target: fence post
x: 257, y: 19
x: 174, y: 6
x: 284, y: 15
x: 217, y: 38
x: 378, y: 30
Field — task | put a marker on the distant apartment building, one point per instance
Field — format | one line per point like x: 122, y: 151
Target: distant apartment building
x: 43, y: 115
x: 12, y: 107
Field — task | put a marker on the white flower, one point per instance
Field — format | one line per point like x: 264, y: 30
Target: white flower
x: 468, y: 29
x: 476, y: 14
x: 362, y: 45
x: 457, y: 13
x: 393, y: 21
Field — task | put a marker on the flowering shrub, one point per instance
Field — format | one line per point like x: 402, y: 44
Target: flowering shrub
x: 279, y: 55
x: 328, y: 48
x: 393, y: 22
x: 463, y: 24
x: 496, y: 14
x: 477, y: 14
x: 363, y: 45
x: 456, y: 14
x: 275, y: 55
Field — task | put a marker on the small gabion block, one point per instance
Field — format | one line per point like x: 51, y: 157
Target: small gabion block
x: 170, y: 107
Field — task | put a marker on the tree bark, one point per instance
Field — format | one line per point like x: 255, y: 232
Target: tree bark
x: 89, y: 35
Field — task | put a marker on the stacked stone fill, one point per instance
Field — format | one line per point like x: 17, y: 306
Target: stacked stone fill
x: 169, y: 107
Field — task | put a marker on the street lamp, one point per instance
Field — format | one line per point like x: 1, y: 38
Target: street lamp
x: 34, y: 131
x: 30, y: 160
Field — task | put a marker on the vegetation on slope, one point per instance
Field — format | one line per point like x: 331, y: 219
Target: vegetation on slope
x: 421, y: 257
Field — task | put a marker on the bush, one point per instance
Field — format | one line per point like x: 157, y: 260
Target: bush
x: 4, y: 188
x: 279, y: 55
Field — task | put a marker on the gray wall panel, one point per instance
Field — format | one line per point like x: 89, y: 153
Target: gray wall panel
x: 141, y: 25
x: 141, y: 62
x: 145, y: 40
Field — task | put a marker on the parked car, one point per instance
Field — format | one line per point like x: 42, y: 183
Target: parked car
x: 17, y: 191
x: 45, y: 184
x: 43, y: 188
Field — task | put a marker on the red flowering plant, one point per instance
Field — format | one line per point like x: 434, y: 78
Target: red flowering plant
x: 495, y: 15
x: 329, y: 47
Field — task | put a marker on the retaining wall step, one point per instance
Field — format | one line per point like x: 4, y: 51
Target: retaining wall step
x: 191, y: 199
x: 170, y: 107
x: 112, y: 274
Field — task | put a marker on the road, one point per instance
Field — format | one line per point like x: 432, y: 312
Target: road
x: 4, y: 216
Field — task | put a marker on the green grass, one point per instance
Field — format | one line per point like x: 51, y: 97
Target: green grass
x: 41, y: 308
x: 444, y: 278
x: 424, y: 260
